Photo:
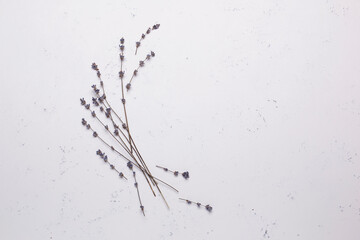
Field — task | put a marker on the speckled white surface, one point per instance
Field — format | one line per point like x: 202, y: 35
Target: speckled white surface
x: 258, y: 100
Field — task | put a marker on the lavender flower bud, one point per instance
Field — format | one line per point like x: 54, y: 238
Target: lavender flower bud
x: 82, y: 101
x: 122, y: 47
x: 116, y: 132
x: 141, y: 63
x: 142, y: 36
x: 124, y: 125
x: 137, y: 44
x: 112, y: 166
x: 198, y: 204
x: 87, y: 106
x: 185, y: 175
x: 152, y: 54
x: 95, y: 134
x: 128, y: 86
x: 88, y: 126
x: 148, y: 31
x: 123, y: 100
x: 122, y: 40
x: 98, y: 74
x: 176, y: 173
x: 93, y: 114
x: 83, y: 122
x: 121, y: 57
x: 121, y: 74
x: 136, y: 184
x: 135, y: 72
x: 121, y: 174
x: 148, y: 57
x: 208, y: 207
x: 94, y: 66
x: 105, y: 158
x: 129, y: 165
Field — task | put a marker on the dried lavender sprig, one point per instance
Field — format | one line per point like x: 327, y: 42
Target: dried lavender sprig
x: 141, y: 64
x: 138, y: 193
x: 122, y: 144
x: 176, y: 173
x: 121, y: 75
x: 103, y: 98
x: 107, y: 112
x: 105, y: 158
x: 138, y: 43
x: 84, y: 122
x: 207, y: 207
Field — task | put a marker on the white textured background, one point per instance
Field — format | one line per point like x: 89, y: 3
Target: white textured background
x: 258, y: 100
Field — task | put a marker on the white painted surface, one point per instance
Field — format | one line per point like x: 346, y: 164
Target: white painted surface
x: 258, y: 100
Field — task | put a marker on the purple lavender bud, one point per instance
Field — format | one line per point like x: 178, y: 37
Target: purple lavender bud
x: 95, y: 134
x: 136, y: 184
x: 142, y: 208
x: 112, y: 166
x: 148, y: 31
x: 87, y: 106
x: 165, y: 169
x: 122, y: 47
x: 128, y: 86
x: 121, y: 174
x: 198, y: 204
x: 124, y: 125
x: 93, y: 114
x: 98, y: 152
x: 105, y: 158
x: 94, y: 66
x: 142, y: 36
x: 176, y: 173
x: 82, y: 101
x: 157, y: 26
x: 135, y: 72
x: 116, y: 132
x: 101, y: 83
x: 101, y: 109
x: 106, y: 127
x: 186, y: 175
x: 108, y: 110
x: 134, y: 173
x: 123, y: 100
x: 88, y: 126
x: 152, y: 54
x: 129, y: 165
x: 122, y: 40
x: 98, y: 74
x: 208, y: 207
x: 107, y: 115
x: 148, y: 57
x: 141, y: 63
x: 121, y: 57
x: 121, y: 74
x: 188, y: 202
x: 83, y: 122
x: 137, y: 44
x: 93, y: 86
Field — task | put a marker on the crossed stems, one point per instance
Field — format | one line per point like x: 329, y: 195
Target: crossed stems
x: 129, y: 139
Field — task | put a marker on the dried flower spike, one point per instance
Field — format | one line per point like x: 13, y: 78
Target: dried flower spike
x: 176, y: 173
x: 138, y: 43
x: 207, y: 207
x: 105, y: 158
